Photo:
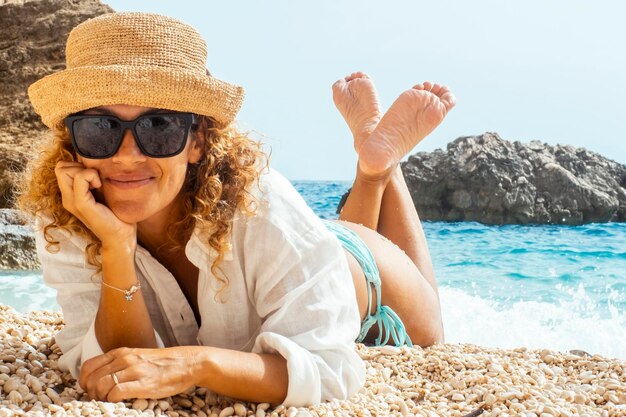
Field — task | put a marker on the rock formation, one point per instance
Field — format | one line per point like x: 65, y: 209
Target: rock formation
x: 17, y: 244
x: 490, y: 180
x: 32, y: 45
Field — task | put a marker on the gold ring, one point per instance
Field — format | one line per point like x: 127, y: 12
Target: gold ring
x: 117, y: 382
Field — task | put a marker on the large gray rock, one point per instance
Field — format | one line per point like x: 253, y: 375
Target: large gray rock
x: 17, y: 243
x: 490, y: 180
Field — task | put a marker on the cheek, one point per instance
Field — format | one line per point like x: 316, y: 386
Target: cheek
x: 175, y: 178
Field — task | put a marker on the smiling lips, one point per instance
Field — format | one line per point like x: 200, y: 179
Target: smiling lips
x: 127, y: 182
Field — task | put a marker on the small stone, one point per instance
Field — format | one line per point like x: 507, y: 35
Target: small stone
x: 458, y: 397
x: 163, y: 405
x: 140, y: 404
x: 227, y: 412
x: 240, y: 409
x: 106, y: 407
x: 390, y: 350
x: 183, y: 402
x: 259, y: 412
x: 490, y: 399
x: 35, y: 385
x: 11, y: 385
x: 263, y: 406
x: 55, y: 408
x: 15, y: 397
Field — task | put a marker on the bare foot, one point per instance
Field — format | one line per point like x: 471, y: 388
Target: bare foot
x: 413, y: 115
x: 357, y: 101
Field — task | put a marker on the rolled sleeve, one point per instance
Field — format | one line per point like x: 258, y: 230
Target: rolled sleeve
x: 303, y: 291
x: 79, y: 297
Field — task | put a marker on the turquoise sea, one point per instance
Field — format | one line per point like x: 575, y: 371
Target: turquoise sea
x: 556, y: 287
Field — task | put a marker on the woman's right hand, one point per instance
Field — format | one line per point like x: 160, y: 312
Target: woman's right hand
x: 76, y: 182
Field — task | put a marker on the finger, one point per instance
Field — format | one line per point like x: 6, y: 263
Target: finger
x: 84, y: 181
x: 100, y: 381
x: 130, y: 389
x: 92, y: 365
x: 65, y: 172
x: 105, y: 384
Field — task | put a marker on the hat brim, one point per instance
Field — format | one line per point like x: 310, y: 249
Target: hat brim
x: 58, y: 95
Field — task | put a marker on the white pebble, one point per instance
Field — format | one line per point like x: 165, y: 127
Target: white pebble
x: 15, y: 397
x: 11, y: 385
x: 227, y: 412
x: 489, y: 399
x: 140, y: 404
x: 106, y: 407
x: 390, y: 350
x: 263, y: 406
x: 240, y: 409
x: 260, y: 412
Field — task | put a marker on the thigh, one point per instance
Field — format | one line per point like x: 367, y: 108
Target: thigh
x: 401, y: 282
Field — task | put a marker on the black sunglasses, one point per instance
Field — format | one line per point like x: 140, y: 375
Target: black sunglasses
x: 158, y: 135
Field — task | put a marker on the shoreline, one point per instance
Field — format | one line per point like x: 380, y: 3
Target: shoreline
x: 448, y: 379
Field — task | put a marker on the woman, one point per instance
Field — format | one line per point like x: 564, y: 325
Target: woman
x: 180, y: 260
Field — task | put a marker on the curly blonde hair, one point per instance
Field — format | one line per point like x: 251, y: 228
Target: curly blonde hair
x: 214, y: 189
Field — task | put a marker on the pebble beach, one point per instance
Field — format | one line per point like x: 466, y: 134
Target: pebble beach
x: 443, y: 380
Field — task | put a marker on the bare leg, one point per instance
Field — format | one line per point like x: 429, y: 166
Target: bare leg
x: 356, y: 98
x: 382, y: 201
x: 400, y: 223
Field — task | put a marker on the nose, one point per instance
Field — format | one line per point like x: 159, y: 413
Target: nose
x: 129, y: 151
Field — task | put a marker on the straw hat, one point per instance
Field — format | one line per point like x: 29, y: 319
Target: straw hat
x: 134, y: 58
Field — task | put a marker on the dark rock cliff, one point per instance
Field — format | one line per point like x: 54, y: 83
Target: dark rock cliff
x: 32, y: 45
x: 494, y: 181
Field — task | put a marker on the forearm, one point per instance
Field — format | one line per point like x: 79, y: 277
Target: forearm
x: 253, y: 377
x: 119, y: 322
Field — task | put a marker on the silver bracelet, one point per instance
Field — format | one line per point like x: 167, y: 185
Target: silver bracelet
x: 127, y: 293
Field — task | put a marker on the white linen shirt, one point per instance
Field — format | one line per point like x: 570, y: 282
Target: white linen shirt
x: 290, y: 292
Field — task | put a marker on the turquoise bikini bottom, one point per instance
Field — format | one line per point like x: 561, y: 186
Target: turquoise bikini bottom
x: 388, y: 321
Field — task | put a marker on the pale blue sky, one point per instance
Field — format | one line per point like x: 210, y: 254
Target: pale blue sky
x: 539, y: 69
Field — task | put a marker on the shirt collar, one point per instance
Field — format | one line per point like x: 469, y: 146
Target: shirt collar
x: 200, y: 253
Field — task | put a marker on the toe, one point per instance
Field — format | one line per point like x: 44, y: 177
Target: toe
x: 448, y: 99
x: 356, y: 75
x: 418, y: 87
x: 428, y: 85
x: 436, y: 89
x: 338, y: 84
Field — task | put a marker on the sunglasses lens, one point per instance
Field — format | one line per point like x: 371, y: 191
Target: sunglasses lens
x: 96, y: 137
x: 161, y: 136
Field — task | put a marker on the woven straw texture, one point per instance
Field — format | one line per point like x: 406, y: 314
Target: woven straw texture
x: 139, y: 59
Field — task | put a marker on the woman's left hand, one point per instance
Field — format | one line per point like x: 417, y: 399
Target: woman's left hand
x: 141, y: 373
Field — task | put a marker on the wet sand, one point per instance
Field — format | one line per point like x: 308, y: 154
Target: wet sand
x: 448, y: 380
